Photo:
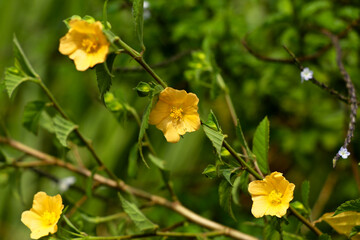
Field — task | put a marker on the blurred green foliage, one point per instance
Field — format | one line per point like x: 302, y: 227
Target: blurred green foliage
x: 307, y: 125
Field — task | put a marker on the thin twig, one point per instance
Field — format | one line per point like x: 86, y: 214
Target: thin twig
x: 351, y: 91
x: 139, y: 58
x: 316, y: 82
x: 156, y: 65
x: 121, y: 185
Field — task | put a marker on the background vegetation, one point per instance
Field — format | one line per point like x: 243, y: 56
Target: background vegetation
x: 307, y: 124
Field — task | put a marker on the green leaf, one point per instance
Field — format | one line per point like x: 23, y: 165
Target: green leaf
x: 261, y: 145
x: 63, y: 128
x: 144, y: 125
x: 305, y: 192
x: 212, y: 122
x: 158, y: 162
x: 21, y: 62
x: 352, y: 205
x: 137, y: 216
x: 138, y: 15
x: 216, y: 138
x: 13, y: 78
x: 324, y: 237
x: 31, y: 115
x: 235, y: 193
x: 225, y: 197
x: 104, y: 75
x: 240, y: 185
x: 354, y: 231
x: 227, y: 174
x: 213, y: 132
x: 132, y: 165
x: 210, y: 171
x: 46, y: 122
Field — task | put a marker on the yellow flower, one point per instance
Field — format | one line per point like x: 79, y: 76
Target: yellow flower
x: 175, y: 113
x: 271, y: 196
x: 44, y: 215
x: 85, y: 43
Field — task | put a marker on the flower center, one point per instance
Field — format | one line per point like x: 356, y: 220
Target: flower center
x: 176, y: 113
x: 275, y: 197
x: 89, y: 45
x: 49, y: 218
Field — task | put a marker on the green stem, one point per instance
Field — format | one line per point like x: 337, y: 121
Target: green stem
x: 138, y: 57
x: 241, y: 161
x: 305, y: 221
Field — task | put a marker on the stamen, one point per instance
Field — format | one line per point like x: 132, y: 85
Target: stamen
x: 49, y: 218
x: 176, y: 113
x: 275, y: 197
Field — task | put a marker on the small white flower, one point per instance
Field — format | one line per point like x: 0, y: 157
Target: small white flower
x: 147, y: 13
x: 306, y: 74
x: 146, y: 4
x: 343, y: 152
x: 65, y: 183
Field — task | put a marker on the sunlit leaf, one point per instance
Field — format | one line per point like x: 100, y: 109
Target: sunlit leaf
x: 261, y: 145
x: 31, y: 115
x: 142, y: 222
x: 343, y: 222
x: 63, y: 128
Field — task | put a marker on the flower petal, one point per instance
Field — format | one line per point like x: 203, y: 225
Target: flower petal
x: 31, y: 219
x: 82, y: 62
x: 40, y: 203
x: 67, y: 45
x: 260, y: 206
x: 159, y: 113
x: 192, y: 122
x: 259, y: 187
x: 172, y: 96
x: 191, y: 100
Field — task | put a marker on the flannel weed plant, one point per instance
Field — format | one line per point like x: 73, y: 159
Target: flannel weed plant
x: 180, y: 135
